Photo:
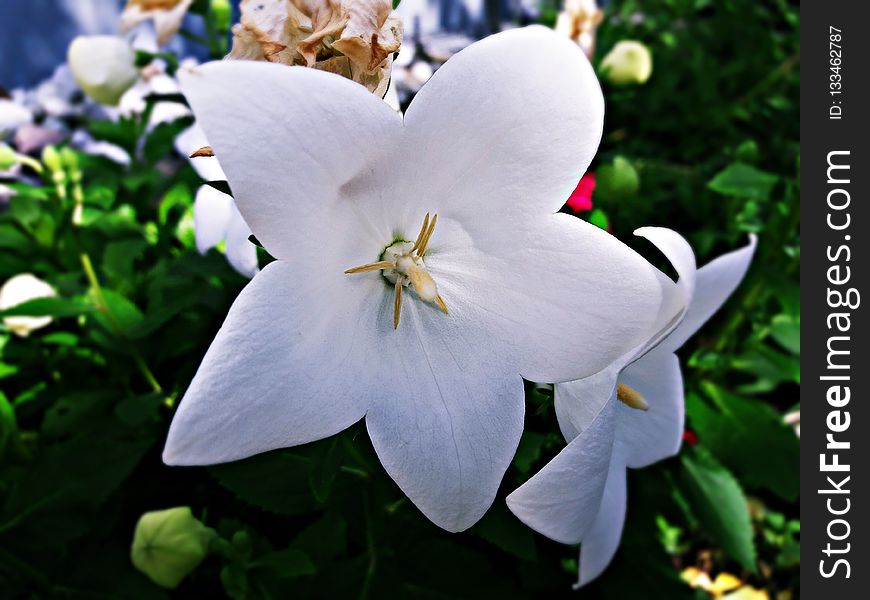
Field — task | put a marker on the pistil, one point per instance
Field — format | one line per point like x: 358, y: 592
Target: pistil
x: 631, y: 397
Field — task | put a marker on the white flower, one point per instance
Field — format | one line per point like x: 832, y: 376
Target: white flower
x: 167, y: 16
x: 216, y: 219
x: 627, y: 415
x: 12, y: 116
x: 215, y: 215
x: 628, y: 62
x: 18, y: 290
x: 328, y: 176
x: 103, y: 66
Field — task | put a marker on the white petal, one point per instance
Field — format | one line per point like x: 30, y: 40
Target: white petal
x: 563, y: 499
x: 212, y: 210
x: 578, y: 402
x: 451, y: 418
x: 241, y: 253
x: 302, y: 150
x: 281, y: 372
x: 13, y: 116
x: 651, y: 435
x: 600, y: 543
x: 569, y: 297
x: 678, y: 251
x: 189, y: 141
x: 507, y: 125
x: 715, y: 281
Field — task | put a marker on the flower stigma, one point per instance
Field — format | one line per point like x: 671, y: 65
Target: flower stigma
x: 631, y: 397
x: 402, y: 265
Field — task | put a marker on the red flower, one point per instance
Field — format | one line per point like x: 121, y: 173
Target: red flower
x: 581, y: 197
x: 690, y: 437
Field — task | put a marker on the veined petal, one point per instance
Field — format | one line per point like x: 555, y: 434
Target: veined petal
x: 579, y: 402
x: 563, y: 499
x: 600, y: 543
x: 302, y: 150
x: 507, y: 126
x: 569, y: 297
x: 715, y: 282
x: 450, y: 420
x: 648, y: 436
x: 212, y: 211
x: 241, y: 253
x: 280, y: 372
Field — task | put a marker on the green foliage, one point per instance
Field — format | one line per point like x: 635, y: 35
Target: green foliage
x: 708, y: 146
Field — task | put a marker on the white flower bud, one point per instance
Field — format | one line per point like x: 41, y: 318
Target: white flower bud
x: 103, y: 66
x: 18, y: 290
x: 628, y: 62
x: 169, y: 544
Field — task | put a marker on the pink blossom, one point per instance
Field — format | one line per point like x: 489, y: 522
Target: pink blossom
x: 581, y: 197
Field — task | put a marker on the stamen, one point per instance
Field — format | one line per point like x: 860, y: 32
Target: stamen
x: 422, y: 249
x: 422, y: 233
x: 441, y: 304
x: 631, y: 397
x: 397, y: 306
x: 205, y: 151
x: 384, y: 264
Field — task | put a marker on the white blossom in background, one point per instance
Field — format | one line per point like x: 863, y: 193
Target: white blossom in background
x: 216, y: 219
x: 103, y: 66
x: 18, y: 290
x: 629, y: 414
x: 424, y: 331
x: 12, y: 116
x: 166, y: 16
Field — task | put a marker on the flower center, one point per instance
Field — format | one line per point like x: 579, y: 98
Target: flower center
x: 402, y: 265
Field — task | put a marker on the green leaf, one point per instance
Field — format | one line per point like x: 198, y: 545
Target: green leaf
x: 50, y: 307
x: 285, y: 564
x: 124, y: 314
x: 739, y: 431
x: 719, y: 505
x: 529, y: 450
x: 786, y: 330
x: 276, y: 482
x: 599, y: 218
x: 499, y: 527
x: 743, y: 181
x: 325, y: 463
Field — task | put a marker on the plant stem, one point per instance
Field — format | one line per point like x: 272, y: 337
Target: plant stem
x: 103, y: 307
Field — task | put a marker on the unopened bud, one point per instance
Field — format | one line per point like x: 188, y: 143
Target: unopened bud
x: 169, y: 544
x: 618, y: 180
x: 628, y: 62
x: 222, y: 11
x: 104, y: 66
x: 8, y: 157
x: 51, y: 159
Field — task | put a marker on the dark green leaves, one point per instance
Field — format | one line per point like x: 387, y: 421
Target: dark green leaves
x: 744, y: 181
x: 718, y: 503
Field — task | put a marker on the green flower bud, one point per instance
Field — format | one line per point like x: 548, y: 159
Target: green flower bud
x: 618, y: 180
x: 169, y: 544
x: 8, y: 157
x: 222, y: 11
x: 71, y: 162
x: 628, y: 62
x: 51, y: 159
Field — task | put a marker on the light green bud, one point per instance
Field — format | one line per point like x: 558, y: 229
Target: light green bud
x: 104, y: 66
x: 628, y: 62
x: 51, y: 159
x: 8, y: 157
x: 222, y: 11
x: 618, y: 180
x: 169, y: 544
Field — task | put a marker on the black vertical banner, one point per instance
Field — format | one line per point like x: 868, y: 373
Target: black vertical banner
x: 835, y: 192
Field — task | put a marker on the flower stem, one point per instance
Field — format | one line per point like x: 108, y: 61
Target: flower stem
x: 103, y: 307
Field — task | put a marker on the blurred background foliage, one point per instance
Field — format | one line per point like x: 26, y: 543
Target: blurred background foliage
x: 708, y: 146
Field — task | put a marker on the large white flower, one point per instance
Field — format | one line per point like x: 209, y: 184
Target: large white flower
x: 329, y: 177
x: 627, y: 415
